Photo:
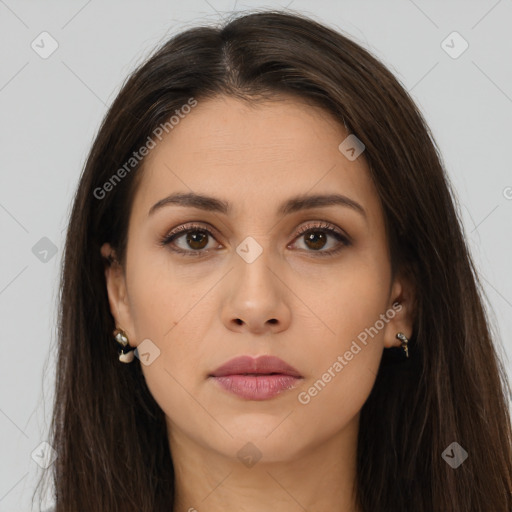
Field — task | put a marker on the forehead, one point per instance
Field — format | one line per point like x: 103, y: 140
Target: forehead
x: 255, y: 156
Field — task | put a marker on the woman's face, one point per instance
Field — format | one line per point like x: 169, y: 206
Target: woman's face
x: 266, y: 276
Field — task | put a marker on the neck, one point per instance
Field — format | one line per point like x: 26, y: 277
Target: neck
x: 314, y: 478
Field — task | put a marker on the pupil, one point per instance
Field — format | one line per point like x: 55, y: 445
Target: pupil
x: 317, y: 238
x: 195, y: 239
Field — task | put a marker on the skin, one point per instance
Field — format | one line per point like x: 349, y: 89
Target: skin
x: 291, y: 302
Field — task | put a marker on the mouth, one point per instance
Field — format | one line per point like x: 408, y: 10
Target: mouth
x: 259, y: 378
x: 257, y: 387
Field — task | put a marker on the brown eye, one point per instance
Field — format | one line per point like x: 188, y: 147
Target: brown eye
x: 193, y: 240
x: 197, y: 239
x: 189, y: 240
x: 315, y: 239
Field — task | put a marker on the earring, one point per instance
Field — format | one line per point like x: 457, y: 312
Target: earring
x: 126, y: 353
x: 111, y: 259
x: 403, y: 338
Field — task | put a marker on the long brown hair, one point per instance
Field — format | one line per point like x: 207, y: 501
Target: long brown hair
x: 110, y: 434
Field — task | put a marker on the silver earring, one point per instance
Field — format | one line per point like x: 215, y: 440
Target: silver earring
x: 126, y: 353
x: 403, y: 338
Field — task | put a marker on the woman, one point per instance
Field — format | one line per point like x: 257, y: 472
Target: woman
x: 265, y: 233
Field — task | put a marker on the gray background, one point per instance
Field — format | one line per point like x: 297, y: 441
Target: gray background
x: 51, y: 109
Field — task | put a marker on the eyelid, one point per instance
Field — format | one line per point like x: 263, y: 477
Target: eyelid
x: 323, y: 225
x: 191, y: 226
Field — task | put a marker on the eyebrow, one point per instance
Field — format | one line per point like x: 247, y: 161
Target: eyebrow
x: 292, y: 205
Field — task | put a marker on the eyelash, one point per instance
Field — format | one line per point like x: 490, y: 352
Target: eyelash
x: 186, y: 228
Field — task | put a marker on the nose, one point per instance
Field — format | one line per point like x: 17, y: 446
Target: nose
x: 256, y: 299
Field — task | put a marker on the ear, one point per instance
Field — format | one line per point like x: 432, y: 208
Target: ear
x: 117, y: 292
x: 402, y: 300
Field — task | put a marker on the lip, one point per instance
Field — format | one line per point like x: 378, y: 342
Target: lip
x: 264, y: 365
x: 259, y: 378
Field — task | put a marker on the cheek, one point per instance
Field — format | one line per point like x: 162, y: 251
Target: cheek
x: 349, y: 297
x: 343, y: 367
x: 176, y: 377
x: 174, y: 317
x: 349, y: 304
x: 332, y: 401
x: 161, y: 294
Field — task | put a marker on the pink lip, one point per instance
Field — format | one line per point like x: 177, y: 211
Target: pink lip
x: 258, y: 378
